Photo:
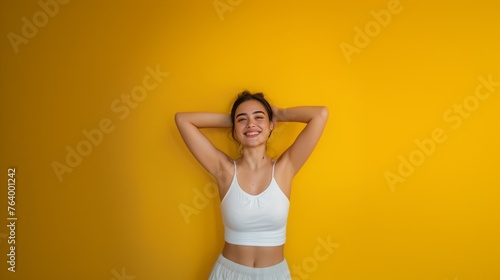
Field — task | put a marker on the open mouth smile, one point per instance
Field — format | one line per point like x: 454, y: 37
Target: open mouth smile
x: 252, y: 133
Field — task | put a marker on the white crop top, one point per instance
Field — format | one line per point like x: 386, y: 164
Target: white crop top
x: 255, y: 220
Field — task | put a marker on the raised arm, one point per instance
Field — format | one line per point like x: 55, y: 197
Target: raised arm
x: 315, y: 117
x: 204, y: 151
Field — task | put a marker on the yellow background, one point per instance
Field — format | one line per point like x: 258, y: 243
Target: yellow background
x: 117, y: 214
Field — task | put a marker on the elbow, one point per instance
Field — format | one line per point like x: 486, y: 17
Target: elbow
x: 178, y: 117
x: 323, y: 112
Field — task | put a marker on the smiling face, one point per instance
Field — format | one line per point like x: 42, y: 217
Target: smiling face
x: 252, y: 126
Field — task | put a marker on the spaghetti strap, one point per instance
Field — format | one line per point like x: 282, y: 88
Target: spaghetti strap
x: 274, y: 163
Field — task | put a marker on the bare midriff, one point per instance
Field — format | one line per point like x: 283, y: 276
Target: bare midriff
x: 254, y: 256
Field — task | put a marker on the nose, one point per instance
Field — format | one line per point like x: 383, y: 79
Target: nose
x: 250, y: 123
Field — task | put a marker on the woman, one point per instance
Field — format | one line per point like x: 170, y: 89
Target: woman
x: 254, y: 189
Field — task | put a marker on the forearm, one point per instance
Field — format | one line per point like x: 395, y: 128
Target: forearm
x: 303, y: 114
x: 203, y: 119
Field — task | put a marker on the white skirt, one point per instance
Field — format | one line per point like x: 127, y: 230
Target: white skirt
x: 225, y: 269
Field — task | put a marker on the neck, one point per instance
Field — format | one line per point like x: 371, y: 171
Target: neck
x: 255, y: 156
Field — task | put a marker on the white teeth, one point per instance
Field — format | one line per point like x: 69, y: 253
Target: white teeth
x: 251, y: 133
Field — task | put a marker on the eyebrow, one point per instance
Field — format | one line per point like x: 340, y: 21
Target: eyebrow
x: 254, y: 112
